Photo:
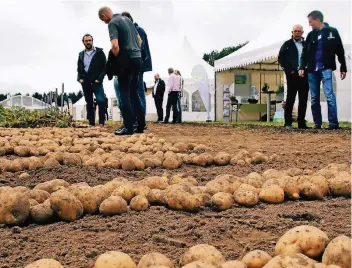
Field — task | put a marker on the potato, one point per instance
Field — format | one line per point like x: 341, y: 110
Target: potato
x: 200, y: 160
x: 222, y: 201
x: 199, y: 264
x: 101, y: 192
x: 272, y: 174
x: 33, y: 202
x: 139, y: 203
x: 13, y: 165
x: 156, y: 182
x: 66, y: 205
x: 254, y: 179
x: 142, y: 190
x: 51, y: 186
x: 171, y: 163
x: 22, y: 151
x: 222, y: 159
x: 155, y: 197
x: 274, y: 158
x: 311, y: 191
x: 273, y: 194
x: 95, y: 161
x: 182, y: 177
x: 113, y: 205
x: 304, y: 239
x: 338, y: 252
x: 209, y: 157
x: 39, y: 195
x: 51, y: 162
x: 24, y: 176
x: 200, y: 148
x: 114, y: 259
x: 321, y: 182
x: 216, y: 186
x: 256, y: 259
x: 126, y: 191
x: 294, y: 172
x: 247, y: 187
x: 88, y: 197
x: 71, y: 159
x: 14, y: 207
x: 115, y: 183
x: 41, y: 213
x: 233, y: 264
x: 297, y: 260
x: 204, y: 253
x: 246, y: 198
x: 181, y: 200
x: 128, y: 164
x: 341, y: 184
x: 291, y: 188
x: 154, y: 259
x: 258, y: 158
x: 113, y: 163
x: 44, y: 263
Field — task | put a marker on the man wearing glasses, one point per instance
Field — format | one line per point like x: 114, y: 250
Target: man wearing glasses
x: 289, y: 59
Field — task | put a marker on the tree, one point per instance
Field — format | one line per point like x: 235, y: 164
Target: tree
x: 18, y: 94
x: 215, y: 55
x: 37, y: 96
x: 3, y: 97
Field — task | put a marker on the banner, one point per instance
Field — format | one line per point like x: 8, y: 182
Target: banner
x: 202, y: 84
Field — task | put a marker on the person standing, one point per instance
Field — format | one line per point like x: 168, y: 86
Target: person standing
x: 289, y: 59
x: 173, y: 89
x: 91, y: 72
x: 125, y: 43
x: 179, y: 106
x: 158, y: 95
x: 146, y: 59
x: 323, y: 43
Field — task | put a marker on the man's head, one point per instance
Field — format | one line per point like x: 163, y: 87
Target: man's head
x: 170, y: 70
x: 297, y: 32
x: 177, y: 72
x: 316, y: 19
x: 87, y: 41
x: 105, y: 14
x: 127, y: 15
x: 156, y: 76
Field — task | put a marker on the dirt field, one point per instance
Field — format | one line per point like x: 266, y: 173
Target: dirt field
x: 234, y: 232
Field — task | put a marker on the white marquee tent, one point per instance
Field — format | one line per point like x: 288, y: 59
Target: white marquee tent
x: 267, y: 45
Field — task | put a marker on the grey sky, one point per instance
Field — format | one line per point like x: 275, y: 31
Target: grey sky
x: 39, y: 50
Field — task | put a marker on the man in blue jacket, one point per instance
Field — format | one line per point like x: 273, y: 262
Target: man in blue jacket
x: 91, y: 72
x: 146, y: 59
x: 318, y: 56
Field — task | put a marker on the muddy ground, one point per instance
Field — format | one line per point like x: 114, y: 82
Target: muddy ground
x: 234, y: 232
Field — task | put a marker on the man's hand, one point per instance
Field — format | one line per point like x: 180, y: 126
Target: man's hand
x: 343, y: 75
x: 81, y: 81
x: 301, y: 73
x: 97, y: 81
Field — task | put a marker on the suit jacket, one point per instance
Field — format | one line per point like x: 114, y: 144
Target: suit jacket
x: 160, y: 90
x: 288, y: 56
x: 96, y: 69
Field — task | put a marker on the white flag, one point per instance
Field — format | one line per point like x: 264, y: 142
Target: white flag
x: 202, y: 84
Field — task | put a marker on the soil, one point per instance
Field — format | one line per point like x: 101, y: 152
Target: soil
x: 234, y: 232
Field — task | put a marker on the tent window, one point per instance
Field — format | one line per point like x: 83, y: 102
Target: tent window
x: 197, y: 103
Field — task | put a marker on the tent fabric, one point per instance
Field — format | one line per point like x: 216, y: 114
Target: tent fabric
x: 268, y: 43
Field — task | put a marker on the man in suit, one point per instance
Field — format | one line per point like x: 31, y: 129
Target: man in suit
x: 158, y: 95
x: 289, y: 59
x: 91, y: 72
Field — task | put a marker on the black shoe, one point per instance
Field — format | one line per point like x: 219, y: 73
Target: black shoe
x: 123, y: 131
x: 317, y: 127
x: 303, y: 127
x: 333, y: 127
x: 288, y: 127
x: 165, y: 122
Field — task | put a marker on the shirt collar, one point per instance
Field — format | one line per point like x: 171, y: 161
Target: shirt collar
x: 94, y: 49
x: 299, y: 41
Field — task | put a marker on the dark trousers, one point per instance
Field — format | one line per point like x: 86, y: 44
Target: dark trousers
x: 97, y: 89
x: 172, y: 102
x: 179, y: 108
x: 128, y: 83
x: 295, y: 84
x: 159, y: 107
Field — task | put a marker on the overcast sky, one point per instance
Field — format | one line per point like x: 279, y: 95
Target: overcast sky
x: 40, y: 40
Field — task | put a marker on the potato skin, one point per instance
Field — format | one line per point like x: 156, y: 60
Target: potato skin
x: 139, y: 203
x: 154, y: 259
x: 66, y: 205
x: 338, y: 252
x: 204, y: 253
x: 222, y: 201
x: 114, y: 205
x: 14, y: 207
x: 44, y: 263
x: 256, y: 259
x: 112, y: 259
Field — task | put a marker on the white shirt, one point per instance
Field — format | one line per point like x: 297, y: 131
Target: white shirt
x: 173, y: 83
x: 155, y: 87
x: 299, y: 47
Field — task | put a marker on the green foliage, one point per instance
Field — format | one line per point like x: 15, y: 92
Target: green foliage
x: 19, y: 117
x: 215, y: 55
x: 280, y: 89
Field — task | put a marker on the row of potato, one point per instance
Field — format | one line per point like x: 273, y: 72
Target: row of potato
x: 54, y: 199
x: 300, y: 247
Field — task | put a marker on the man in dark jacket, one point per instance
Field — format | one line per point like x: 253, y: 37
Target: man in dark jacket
x: 91, y: 72
x: 289, y: 59
x: 146, y: 59
x: 318, y: 56
x: 158, y: 95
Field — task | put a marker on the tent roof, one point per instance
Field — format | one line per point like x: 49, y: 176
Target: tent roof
x: 268, y: 43
x: 181, y: 57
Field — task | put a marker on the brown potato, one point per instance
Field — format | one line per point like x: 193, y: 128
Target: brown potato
x: 115, y: 183
x: 139, y: 203
x: 155, y: 197
x: 13, y: 165
x: 41, y: 213
x: 222, y: 201
x: 340, y: 185
x: 219, y: 185
x: 273, y: 194
x: 338, y: 252
x: 94, y: 161
x: 311, y: 191
x: 22, y: 151
x: 51, y: 162
x: 142, y: 190
x: 181, y: 200
x: 258, y: 158
x: 44, y: 263
x: 114, y: 259
x: 14, y: 207
x: 294, y: 172
x: 71, y: 159
x: 154, y: 259
x: 156, y: 182
x: 304, y: 239
x: 204, y: 253
x: 297, y: 260
x: 256, y: 259
x: 200, y: 160
x: 66, y: 205
x: 24, y: 176
x: 51, y: 186
x: 233, y: 264
x: 113, y: 205
x: 321, y: 182
x: 128, y: 164
x: 171, y: 163
x: 199, y: 264
x: 222, y: 159
x: 246, y: 198
x: 126, y: 191
x: 39, y: 195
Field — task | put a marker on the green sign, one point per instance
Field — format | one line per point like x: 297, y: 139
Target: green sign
x: 240, y: 79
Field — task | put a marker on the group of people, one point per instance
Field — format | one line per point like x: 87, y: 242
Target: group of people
x: 128, y: 59
x: 308, y: 63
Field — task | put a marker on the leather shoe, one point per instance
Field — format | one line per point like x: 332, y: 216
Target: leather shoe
x: 317, y: 127
x: 333, y: 127
x: 303, y: 127
x: 123, y: 131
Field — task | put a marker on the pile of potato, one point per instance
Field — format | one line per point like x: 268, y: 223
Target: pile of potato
x: 55, y: 147
x: 57, y: 199
x: 301, y: 247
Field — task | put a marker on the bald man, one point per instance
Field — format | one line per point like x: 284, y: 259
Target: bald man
x: 290, y: 59
x: 158, y: 95
x: 125, y: 46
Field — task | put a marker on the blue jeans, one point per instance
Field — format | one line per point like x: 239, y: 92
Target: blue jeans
x: 315, y: 78
x: 97, y: 89
x: 141, y: 92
